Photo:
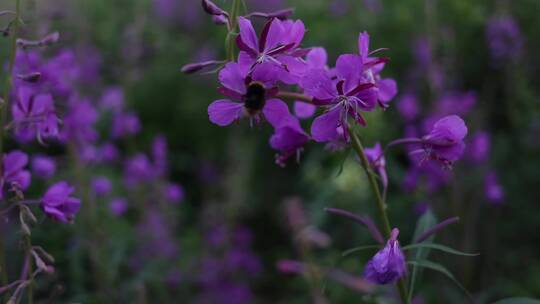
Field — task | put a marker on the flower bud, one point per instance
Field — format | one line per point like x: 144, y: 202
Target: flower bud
x: 212, y: 9
x: 197, y: 66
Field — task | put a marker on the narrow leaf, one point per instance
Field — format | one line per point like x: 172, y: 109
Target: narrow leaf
x: 359, y: 248
x: 440, y: 268
x: 438, y: 247
x: 425, y: 222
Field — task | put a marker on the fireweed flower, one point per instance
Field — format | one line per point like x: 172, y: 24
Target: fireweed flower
x: 125, y: 124
x: 79, y: 121
x: 388, y: 265
x: 408, y: 107
x: 386, y: 87
x: 444, y: 143
x: 342, y: 97
x: 14, y: 176
x: 288, y: 139
x: 174, y: 193
x: 478, y: 147
x: 58, y: 204
x: 112, y: 99
x: 138, y: 169
x: 43, y: 166
x: 118, y: 206
x: 376, y: 160
x: 255, y: 95
x: 504, y: 38
x: 278, y: 45
x: 492, y: 189
x: 101, y: 185
x: 34, y: 115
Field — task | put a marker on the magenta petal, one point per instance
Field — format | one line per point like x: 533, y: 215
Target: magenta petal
x: 348, y: 68
x: 274, y: 36
x: 363, y: 45
x: 317, y: 58
x: 232, y: 77
x: 294, y: 30
x: 247, y: 33
x: 387, y: 89
x: 276, y: 111
x: 324, y: 127
x: 223, y: 112
x: 317, y: 83
x: 304, y: 110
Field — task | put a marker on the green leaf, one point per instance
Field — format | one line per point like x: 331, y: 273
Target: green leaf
x: 518, y: 301
x: 440, y: 268
x: 426, y: 221
x: 359, y: 248
x: 438, y: 247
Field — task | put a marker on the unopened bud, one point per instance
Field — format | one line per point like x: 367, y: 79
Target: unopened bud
x: 197, y: 66
x: 281, y: 14
x: 45, y: 41
x: 31, y: 77
x: 212, y: 9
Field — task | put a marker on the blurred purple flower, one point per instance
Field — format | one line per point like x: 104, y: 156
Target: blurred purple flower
x: 478, y: 147
x: 420, y: 208
x: 108, y: 152
x: 118, y: 206
x: 174, y: 193
x: 288, y: 139
x: 408, y: 107
x: 376, y: 160
x: 101, y: 185
x: 125, y: 124
x: 138, y: 169
x: 388, y: 265
x: 112, y: 99
x: 34, y: 115
x: 160, y: 154
x: 79, y: 121
x: 58, y: 204
x: 494, y: 192
x: 14, y: 176
x: 43, y: 166
x: 504, y: 38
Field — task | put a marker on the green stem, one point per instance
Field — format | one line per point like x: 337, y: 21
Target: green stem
x: 3, y: 117
x: 381, y: 206
x: 230, y: 40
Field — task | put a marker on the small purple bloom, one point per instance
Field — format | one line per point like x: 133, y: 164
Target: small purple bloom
x: 79, y: 122
x: 108, y: 152
x: 504, y: 38
x: 255, y: 95
x: 125, y: 124
x: 174, y: 193
x: 277, y: 45
x: 34, y: 115
x: 492, y: 189
x: 14, y: 175
x: 376, y: 160
x: 118, y: 206
x: 478, y: 147
x: 43, y: 166
x: 112, y: 99
x: 388, y: 265
x: 445, y: 141
x: 138, y: 169
x: 57, y: 203
x: 342, y: 97
x: 408, y: 107
x: 288, y: 139
x: 101, y: 185
x: 159, y: 154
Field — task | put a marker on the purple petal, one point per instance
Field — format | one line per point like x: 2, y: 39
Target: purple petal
x: 348, y: 68
x: 324, y: 127
x: 317, y: 83
x: 276, y: 111
x: 304, y: 110
x: 232, y: 77
x: 273, y: 35
x: 317, y: 58
x: 363, y: 45
x: 223, y: 112
x: 247, y: 34
x: 387, y: 89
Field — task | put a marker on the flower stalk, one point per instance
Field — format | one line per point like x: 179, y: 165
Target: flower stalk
x: 381, y: 206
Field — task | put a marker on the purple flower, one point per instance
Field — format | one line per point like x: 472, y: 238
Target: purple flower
x: 43, y: 166
x: 14, y: 175
x: 34, y: 115
x: 174, y: 193
x: 420, y: 208
x: 408, y: 107
x: 112, y: 99
x: 118, y: 206
x: 57, y: 203
x: 459, y: 103
x: 108, y: 152
x: 492, y: 189
x: 255, y: 95
x: 388, y: 265
x: 125, y: 124
x: 138, y: 169
x: 342, y: 97
x: 445, y: 141
x: 277, y: 45
x: 478, y: 147
x: 504, y: 38
x: 159, y: 154
x: 79, y: 121
x: 101, y: 185
x: 288, y: 139
x: 376, y: 160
